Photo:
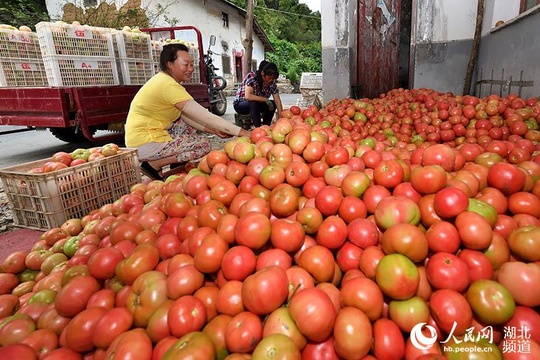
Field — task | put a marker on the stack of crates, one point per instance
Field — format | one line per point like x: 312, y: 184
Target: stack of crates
x: 310, y: 88
x: 77, y: 55
x: 193, y: 53
x: 157, y: 46
x: 134, y: 56
x: 20, y: 59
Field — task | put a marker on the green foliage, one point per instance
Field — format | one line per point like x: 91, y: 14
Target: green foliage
x: 23, y: 12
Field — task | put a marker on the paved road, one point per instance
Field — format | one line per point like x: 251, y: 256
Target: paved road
x: 21, y: 147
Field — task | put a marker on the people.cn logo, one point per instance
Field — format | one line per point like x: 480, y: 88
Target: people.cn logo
x: 421, y: 341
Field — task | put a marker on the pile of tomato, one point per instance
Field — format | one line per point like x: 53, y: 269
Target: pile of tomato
x: 401, y: 227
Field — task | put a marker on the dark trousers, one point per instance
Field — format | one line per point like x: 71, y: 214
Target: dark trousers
x: 257, y: 110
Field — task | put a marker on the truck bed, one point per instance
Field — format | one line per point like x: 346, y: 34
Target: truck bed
x: 75, y: 107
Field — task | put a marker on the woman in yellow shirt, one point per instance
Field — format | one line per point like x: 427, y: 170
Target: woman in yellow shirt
x: 163, y: 118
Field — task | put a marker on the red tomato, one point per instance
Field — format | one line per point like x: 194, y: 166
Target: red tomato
x: 216, y: 329
x: 238, y: 263
x: 319, y: 262
x: 388, y: 173
x: 396, y: 209
x: 506, y: 177
x: 253, y: 230
x: 102, y: 263
x: 449, y: 308
x: 474, y: 230
x: 320, y: 350
x: 352, y: 333
x: 133, y: 344
x: 516, y: 276
x: 74, y: 296
x: 443, y: 236
x: 19, y: 351
x: 287, y: 235
x: 144, y: 258
x: 273, y: 257
x: 313, y: 312
x: 186, y: 314
x: 332, y: 232
x: 148, y: 293
x: 78, y: 333
x: 243, y: 332
x: 526, y: 318
x: 328, y: 200
x: 428, y: 179
x: 388, y: 341
x: 229, y: 298
x: 110, y: 325
x: 363, y: 294
x: 208, y: 256
x: 405, y: 239
x: 266, y: 290
x: 450, y: 202
x: 447, y: 271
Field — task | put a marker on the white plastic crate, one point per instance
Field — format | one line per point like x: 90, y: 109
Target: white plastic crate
x: 132, y: 45
x: 157, y: 46
x: 45, y: 200
x: 15, y: 44
x: 68, y: 70
x: 22, y: 72
x: 75, y: 40
x: 134, y: 72
x: 311, y: 81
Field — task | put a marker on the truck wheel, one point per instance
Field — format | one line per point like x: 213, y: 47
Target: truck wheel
x: 220, y: 106
x: 69, y: 135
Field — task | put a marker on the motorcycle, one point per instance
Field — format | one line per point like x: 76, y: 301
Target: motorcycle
x: 216, y: 83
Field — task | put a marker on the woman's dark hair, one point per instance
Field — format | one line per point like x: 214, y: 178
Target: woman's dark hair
x: 269, y: 68
x: 262, y: 65
x: 170, y: 53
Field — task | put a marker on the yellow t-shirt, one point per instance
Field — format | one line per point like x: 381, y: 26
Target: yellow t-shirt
x: 153, y: 110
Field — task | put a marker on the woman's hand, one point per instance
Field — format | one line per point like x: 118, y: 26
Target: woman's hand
x: 222, y: 135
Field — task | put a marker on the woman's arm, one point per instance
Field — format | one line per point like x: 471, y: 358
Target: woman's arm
x: 207, y: 121
x: 250, y: 95
x: 279, y: 104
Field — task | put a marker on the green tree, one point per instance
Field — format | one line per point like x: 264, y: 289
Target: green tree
x: 23, y: 12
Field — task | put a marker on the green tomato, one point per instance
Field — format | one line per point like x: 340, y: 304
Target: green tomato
x: 71, y: 246
x: 80, y: 154
x: 27, y: 275
x: 491, y: 302
x: 485, y: 209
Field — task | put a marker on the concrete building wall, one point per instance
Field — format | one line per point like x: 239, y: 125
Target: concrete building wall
x: 509, y: 54
x: 338, y: 47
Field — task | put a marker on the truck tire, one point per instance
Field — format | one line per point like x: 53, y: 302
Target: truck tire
x: 69, y: 135
x: 219, y: 108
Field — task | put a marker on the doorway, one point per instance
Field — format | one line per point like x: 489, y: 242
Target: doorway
x: 239, y: 75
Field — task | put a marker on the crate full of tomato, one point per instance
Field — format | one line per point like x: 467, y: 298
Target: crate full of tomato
x: 44, y: 194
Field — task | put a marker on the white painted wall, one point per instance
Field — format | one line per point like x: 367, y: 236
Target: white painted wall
x: 498, y: 10
x: 203, y: 14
